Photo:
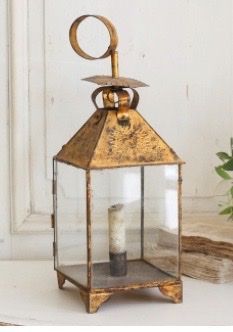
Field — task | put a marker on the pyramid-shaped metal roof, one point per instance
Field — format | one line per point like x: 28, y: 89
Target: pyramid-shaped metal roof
x: 103, y: 143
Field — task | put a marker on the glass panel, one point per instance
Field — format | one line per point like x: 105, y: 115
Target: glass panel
x: 117, y: 218
x: 161, y: 245
x: 116, y: 225
x: 71, y: 258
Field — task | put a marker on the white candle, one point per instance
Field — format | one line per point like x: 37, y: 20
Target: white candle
x: 116, y: 226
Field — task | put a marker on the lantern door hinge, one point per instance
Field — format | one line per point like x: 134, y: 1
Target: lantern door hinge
x: 52, y: 220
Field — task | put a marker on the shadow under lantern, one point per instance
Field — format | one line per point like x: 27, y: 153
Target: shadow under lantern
x: 117, y: 196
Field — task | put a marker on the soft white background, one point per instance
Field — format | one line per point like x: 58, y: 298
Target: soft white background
x: 181, y: 48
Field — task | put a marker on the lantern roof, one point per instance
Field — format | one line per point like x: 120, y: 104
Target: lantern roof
x: 102, y: 143
x: 114, y: 136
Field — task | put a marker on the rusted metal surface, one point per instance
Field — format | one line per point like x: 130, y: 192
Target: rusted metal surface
x: 74, y: 40
x: 60, y: 279
x: 135, y: 144
x: 104, y: 143
x: 174, y: 291
x: 109, y: 100
x: 115, y: 64
x: 95, y: 297
x: 132, y: 281
x: 124, y: 82
x: 93, y: 301
x: 116, y: 135
x: 74, y: 282
x: 142, y: 210
x: 88, y: 229
x: 113, y: 80
x: 123, y: 107
x: 79, y: 150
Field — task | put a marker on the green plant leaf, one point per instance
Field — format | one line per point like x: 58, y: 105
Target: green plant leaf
x: 231, y: 191
x: 232, y: 146
x: 220, y: 171
x: 228, y: 210
x: 223, y: 156
x: 228, y: 166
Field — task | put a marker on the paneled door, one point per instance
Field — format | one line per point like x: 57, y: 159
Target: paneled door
x: 182, y: 49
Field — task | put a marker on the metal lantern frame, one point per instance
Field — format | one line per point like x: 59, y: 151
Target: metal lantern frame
x: 151, y: 150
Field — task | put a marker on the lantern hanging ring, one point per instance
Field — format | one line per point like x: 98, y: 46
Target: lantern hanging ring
x: 73, y: 34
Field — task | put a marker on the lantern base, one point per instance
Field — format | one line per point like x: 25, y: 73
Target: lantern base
x: 93, y: 299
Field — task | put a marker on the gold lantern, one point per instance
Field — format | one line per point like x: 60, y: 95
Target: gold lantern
x: 117, y: 196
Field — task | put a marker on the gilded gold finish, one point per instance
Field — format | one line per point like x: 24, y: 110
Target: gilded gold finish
x: 88, y: 230
x: 123, y: 82
x: 123, y: 107
x: 115, y: 64
x: 113, y: 80
x: 60, y: 279
x: 93, y: 301
x: 109, y: 94
x: 108, y: 98
x: 174, y: 291
x: 116, y: 135
x: 103, y: 143
x: 106, y: 131
x: 95, y: 297
x: 74, y: 41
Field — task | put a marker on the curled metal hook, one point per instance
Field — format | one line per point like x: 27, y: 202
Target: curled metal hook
x: 73, y: 33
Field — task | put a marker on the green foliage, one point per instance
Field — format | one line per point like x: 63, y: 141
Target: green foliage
x: 223, y: 156
x: 227, y: 210
x: 224, y: 171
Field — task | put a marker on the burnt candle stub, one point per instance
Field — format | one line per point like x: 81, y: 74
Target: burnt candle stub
x: 117, y: 249
x: 118, y: 266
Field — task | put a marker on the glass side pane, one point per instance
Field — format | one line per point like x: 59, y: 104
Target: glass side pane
x: 123, y: 251
x: 70, y: 226
x: 161, y: 225
x: 116, y: 221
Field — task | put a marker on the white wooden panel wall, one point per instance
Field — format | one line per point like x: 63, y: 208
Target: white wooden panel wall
x: 182, y: 49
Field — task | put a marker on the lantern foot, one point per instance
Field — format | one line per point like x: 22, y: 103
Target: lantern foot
x: 60, y: 279
x: 174, y: 291
x: 93, y: 301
